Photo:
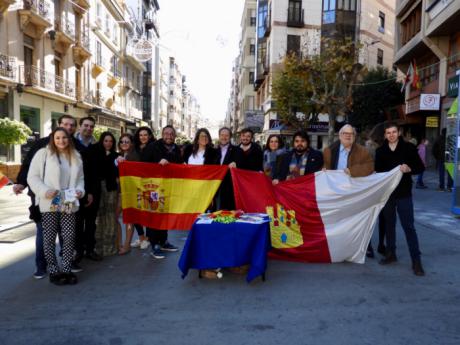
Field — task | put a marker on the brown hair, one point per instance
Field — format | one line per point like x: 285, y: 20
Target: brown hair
x: 70, y: 151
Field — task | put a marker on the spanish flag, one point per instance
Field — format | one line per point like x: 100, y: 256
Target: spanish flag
x: 3, y: 180
x: 167, y: 197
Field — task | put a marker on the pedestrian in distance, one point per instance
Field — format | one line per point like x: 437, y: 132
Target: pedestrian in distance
x: 56, y: 178
x: 421, y: 149
x: 106, y: 231
x: 439, y: 153
x: 397, y: 152
x: 274, y: 148
x: 299, y: 161
x: 162, y: 151
x: 142, y: 138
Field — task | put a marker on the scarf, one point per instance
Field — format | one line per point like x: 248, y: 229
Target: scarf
x: 297, y: 167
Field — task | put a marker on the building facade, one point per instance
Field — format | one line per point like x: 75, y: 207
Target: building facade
x: 428, y: 35
x: 60, y: 57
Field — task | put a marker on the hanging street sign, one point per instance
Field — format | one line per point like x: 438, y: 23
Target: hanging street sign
x: 143, y: 50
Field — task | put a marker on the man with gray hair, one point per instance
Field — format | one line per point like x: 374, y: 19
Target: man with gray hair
x: 354, y: 159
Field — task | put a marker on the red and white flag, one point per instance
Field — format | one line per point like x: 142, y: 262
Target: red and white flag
x: 321, y: 217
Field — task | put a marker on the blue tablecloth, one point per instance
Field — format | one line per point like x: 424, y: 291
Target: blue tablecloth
x: 227, y: 245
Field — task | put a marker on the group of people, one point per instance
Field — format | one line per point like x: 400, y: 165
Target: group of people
x: 73, y: 183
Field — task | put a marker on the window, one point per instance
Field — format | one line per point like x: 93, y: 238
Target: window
x: 329, y: 5
x: 251, y: 77
x: 346, y: 5
x: 293, y: 44
x: 252, y: 17
x: 98, y: 53
x: 381, y: 22
x: 252, y: 49
x: 379, y: 56
x: 411, y: 25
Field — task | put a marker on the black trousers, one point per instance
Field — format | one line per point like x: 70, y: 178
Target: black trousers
x: 86, y: 226
x: 157, y: 237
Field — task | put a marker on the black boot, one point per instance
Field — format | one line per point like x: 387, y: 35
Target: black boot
x: 70, y: 278
x: 58, y: 278
x: 417, y: 268
x: 388, y: 259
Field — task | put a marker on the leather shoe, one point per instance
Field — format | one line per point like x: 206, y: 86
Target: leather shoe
x: 388, y: 259
x: 93, y: 256
x: 58, y: 278
x: 417, y: 268
x: 370, y: 252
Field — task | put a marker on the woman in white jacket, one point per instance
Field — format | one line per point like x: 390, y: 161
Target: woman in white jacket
x: 56, y: 177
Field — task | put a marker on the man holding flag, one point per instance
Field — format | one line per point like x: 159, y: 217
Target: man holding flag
x: 163, y: 151
x: 396, y: 152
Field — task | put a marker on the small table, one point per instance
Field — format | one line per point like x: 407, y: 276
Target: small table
x: 218, y: 245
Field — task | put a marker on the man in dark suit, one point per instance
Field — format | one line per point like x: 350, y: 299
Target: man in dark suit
x: 230, y: 155
x: 300, y: 161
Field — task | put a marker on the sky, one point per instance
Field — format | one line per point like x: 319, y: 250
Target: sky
x: 203, y: 35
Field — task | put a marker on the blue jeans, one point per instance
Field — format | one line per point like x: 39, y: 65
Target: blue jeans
x: 40, y: 261
x: 405, y: 210
x: 442, y: 175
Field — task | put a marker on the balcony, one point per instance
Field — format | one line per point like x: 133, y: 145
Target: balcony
x: 98, y: 66
x: 113, y: 78
x: 81, y: 49
x: 84, y: 96
x: 7, y: 67
x: 34, y: 77
x: 64, y: 35
x: 80, y: 6
x: 35, y: 17
x: 4, y: 4
x: 98, y: 99
x: 295, y: 18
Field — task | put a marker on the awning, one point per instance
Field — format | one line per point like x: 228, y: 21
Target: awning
x: 453, y: 109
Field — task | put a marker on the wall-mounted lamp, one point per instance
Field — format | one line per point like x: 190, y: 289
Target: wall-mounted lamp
x: 20, y: 88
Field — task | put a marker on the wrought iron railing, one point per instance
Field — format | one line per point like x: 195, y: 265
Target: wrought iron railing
x: 41, y: 7
x: 34, y: 76
x: 64, y: 25
x: 84, y: 95
x: 7, y: 66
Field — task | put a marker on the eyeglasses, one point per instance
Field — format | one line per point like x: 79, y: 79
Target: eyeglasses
x: 125, y: 142
x: 348, y: 133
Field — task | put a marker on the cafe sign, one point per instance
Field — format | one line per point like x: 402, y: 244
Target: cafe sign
x: 452, y: 86
x: 430, y: 101
x: 432, y: 122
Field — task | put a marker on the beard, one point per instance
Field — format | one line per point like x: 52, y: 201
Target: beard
x: 300, y: 150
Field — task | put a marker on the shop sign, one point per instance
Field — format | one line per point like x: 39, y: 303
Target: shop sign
x: 432, y: 122
x: 430, y: 101
x: 143, y: 50
x: 452, y: 86
x: 318, y: 127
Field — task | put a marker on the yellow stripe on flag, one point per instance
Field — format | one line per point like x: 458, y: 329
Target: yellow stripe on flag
x: 167, y: 195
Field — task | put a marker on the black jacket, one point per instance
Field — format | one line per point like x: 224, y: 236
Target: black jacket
x: 252, y: 159
x: 233, y: 154
x: 225, y: 194
x: 156, y: 151
x: 314, y: 163
x: 107, y: 170
x: 210, y: 155
x: 405, y: 153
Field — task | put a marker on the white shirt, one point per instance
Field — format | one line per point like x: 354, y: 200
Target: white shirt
x: 197, y: 159
x: 64, y: 176
x: 223, y: 152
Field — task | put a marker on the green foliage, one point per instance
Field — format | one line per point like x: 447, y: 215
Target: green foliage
x: 181, y: 139
x: 372, y: 101
x: 98, y: 130
x: 318, y: 83
x: 13, y: 132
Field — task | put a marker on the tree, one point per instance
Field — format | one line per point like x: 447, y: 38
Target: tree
x: 98, y: 130
x: 318, y: 82
x: 378, y: 95
x: 13, y: 132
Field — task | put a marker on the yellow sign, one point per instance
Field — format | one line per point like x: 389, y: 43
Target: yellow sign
x: 432, y: 122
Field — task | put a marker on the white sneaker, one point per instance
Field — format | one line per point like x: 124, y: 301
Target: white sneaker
x: 145, y: 244
x: 136, y: 244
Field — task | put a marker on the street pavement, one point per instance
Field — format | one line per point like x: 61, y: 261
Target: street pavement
x: 135, y: 299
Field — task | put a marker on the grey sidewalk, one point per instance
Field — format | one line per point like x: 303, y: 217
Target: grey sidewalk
x: 13, y: 208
